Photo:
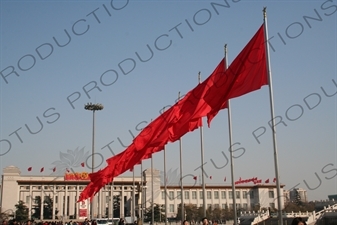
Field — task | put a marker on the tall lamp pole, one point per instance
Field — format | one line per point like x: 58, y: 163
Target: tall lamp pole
x: 93, y: 107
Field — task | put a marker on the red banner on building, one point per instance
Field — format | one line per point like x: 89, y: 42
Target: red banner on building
x: 76, y: 176
x: 83, y: 209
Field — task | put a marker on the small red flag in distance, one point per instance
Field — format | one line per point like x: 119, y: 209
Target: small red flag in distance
x: 195, y: 177
x: 67, y: 170
x: 210, y: 177
x: 54, y: 169
x: 224, y: 179
x: 82, y: 164
x: 30, y: 168
x: 267, y: 181
x: 274, y: 180
x: 42, y: 169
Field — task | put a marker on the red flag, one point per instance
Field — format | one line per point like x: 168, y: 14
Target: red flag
x: 224, y: 179
x: 54, y: 169
x: 210, y: 177
x: 267, y: 181
x: 247, y: 73
x: 195, y: 178
x: 42, y: 169
x: 67, y: 170
x: 207, y: 98
x: 274, y: 180
x: 82, y: 164
x: 29, y: 168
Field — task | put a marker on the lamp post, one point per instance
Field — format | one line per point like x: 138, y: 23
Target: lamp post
x: 93, y: 107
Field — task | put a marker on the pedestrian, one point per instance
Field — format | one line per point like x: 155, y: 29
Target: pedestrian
x: 298, y: 221
x: 204, y: 221
x: 121, y: 221
x: 185, y: 222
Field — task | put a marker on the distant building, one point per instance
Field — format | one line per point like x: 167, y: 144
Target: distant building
x: 298, y: 194
x: 332, y: 197
x: 65, y: 190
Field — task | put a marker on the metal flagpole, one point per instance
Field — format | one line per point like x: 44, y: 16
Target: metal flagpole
x: 112, y: 199
x: 133, y: 195
x: 152, y: 193
x: 231, y: 149
x: 165, y: 185
x: 181, y: 177
x: 279, y: 205
x: 165, y: 182
x: 202, y: 164
x: 141, y: 193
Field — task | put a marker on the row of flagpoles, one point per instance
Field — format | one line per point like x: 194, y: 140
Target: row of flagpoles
x: 68, y: 170
x: 249, y: 71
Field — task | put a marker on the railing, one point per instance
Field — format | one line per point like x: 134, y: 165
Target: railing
x: 312, y: 216
x: 318, y: 215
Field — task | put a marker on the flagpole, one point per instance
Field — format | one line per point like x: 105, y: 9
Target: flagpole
x: 181, y: 176
x: 231, y: 149
x: 278, y: 188
x: 165, y: 183
x: 133, y: 195
x: 141, y: 193
x: 112, y: 199
x: 202, y: 163
x: 152, y: 193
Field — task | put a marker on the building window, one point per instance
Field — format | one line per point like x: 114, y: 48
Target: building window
x: 209, y: 206
x: 252, y: 194
x: 272, y: 205
x: 237, y: 194
x: 223, y: 194
x: 230, y: 195
x: 27, y: 199
x: 178, y: 194
x: 163, y: 195
x: 238, y: 206
x: 223, y: 206
x: 171, y: 208
x: 209, y: 195
x: 107, y: 198
x: 194, y: 195
x: 171, y: 195
x: 187, y: 195
x: 216, y: 206
x: 216, y: 195
x: 56, y: 199
x: 245, y: 206
x: 230, y: 206
x: 201, y: 194
x: 271, y: 193
x: 244, y: 194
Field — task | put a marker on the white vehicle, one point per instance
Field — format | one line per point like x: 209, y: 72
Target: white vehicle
x: 101, y: 221
x: 113, y: 221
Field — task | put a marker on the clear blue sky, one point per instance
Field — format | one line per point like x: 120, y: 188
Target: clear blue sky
x: 185, y: 37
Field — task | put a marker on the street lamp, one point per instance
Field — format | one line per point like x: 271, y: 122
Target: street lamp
x: 93, y: 107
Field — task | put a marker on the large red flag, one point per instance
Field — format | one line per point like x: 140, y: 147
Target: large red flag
x: 247, y: 73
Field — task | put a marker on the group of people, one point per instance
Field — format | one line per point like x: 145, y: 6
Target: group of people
x: 32, y: 222
x: 296, y: 221
x: 204, y: 221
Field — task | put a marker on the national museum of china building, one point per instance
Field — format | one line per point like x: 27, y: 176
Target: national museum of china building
x: 63, y: 192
